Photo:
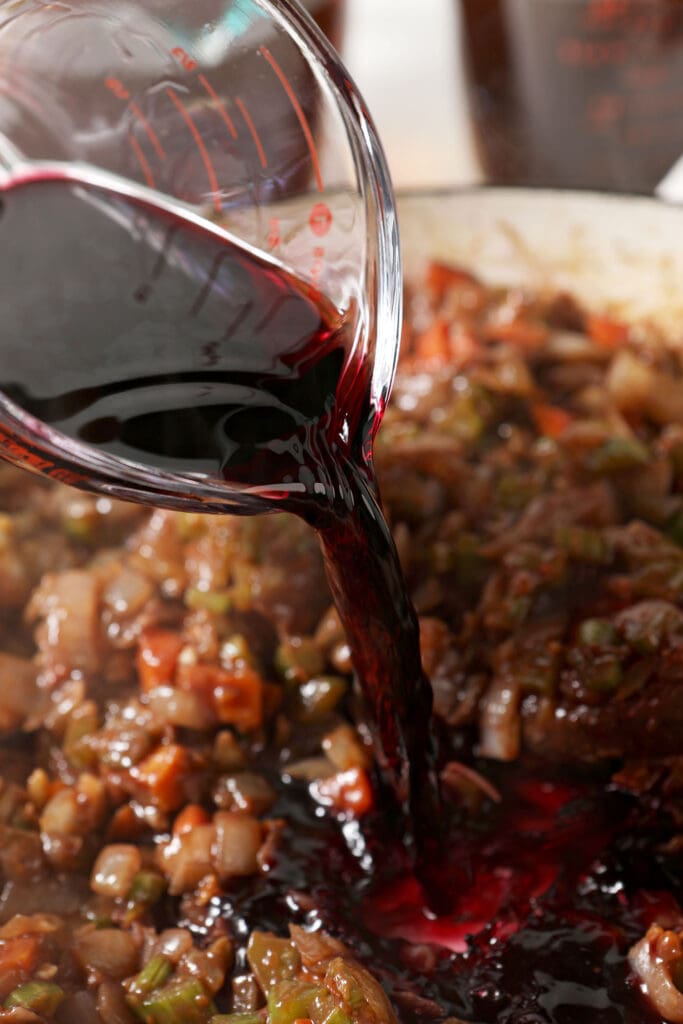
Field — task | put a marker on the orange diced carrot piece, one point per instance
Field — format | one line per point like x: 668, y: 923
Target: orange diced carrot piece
x: 524, y: 334
x: 433, y: 344
x: 348, y: 791
x: 189, y: 818
x: 551, y: 420
x: 163, y: 773
x: 441, y: 277
x: 18, y: 960
x: 158, y: 652
x: 464, y: 346
x: 606, y: 331
x: 235, y: 695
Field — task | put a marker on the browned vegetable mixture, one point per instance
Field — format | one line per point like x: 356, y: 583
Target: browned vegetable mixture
x: 161, y: 674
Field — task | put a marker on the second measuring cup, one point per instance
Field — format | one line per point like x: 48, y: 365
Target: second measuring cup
x: 199, y: 277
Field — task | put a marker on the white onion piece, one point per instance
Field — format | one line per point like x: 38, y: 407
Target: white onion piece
x: 500, y: 730
x: 107, y: 951
x: 238, y: 840
x: 114, y: 870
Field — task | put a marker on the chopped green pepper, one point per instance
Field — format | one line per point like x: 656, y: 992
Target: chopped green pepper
x: 41, y: 997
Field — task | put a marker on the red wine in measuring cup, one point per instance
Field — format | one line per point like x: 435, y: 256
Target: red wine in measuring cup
x: 137, y: 331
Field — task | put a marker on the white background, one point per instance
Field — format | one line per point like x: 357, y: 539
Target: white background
x: 405, y: 57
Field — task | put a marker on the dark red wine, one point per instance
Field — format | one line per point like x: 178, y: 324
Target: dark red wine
x: 155, y: 339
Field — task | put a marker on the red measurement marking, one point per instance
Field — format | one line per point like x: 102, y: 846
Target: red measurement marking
x: 220, y: 109
x: 188, y: 63
x: 153, y: 137
x: 320, y: 220
x: 254, y: 134
x: 142, y: 159
x: 213, y: 181
x: 274, y: 239
x: 118, y: 88
x: 299, y: 113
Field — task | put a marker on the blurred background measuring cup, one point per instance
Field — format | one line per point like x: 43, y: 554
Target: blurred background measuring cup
x: 199, y: 269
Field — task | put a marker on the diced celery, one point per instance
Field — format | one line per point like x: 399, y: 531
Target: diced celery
x: 597, y: 633
x: 319, y: 697
x: 272, y: 960
x: 41, y: 997
x: 216, y: 602
x: 290, y: 1001
x: 148, y: 887
x: 153, y: 975
x: 237, y: 1018
x: 297, y: 661
x: 182, y: 1001
x: 584, y: 544
x: 617, y: 455
x: 603, y: 675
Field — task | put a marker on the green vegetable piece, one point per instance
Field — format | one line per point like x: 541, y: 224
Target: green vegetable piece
x: 272, y: 960
x: 290, y: 1001
x: 603, y: 675
x: 597, y: 633
x: 618, y: 455
x: 463, y: 419
x: 337, y: 1016
x: 183, y: 1001
x: 674, y: 528
x: 148, y: 887
x: 299, y: 660
x: 584, y: 544
x: 41, y: 997
x: 80, y: 528
x: 237, y: 1018
x: 216, y: 602
x: 81, y: 724
x: 152, y: 976
x: 319, y: 697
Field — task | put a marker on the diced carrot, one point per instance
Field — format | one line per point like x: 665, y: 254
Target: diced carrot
x: 158, y: 652
x: 433, y: 344
x: 441, y: 278
x: 606, y: 331
x: 18, y: 960
x: 189, y: 818
x: 464, y: 346
x: 524, y: 334
x: 551, y: 420
x: 348, y: 791
x: 163, y: 773
x: 236, y: 696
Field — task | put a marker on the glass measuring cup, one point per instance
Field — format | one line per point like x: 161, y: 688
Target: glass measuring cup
x: 139, y: 142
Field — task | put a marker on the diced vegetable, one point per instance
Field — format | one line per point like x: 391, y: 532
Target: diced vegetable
x: 158, y: 653
x: 238, y: 840
x: 319, y: 697
x: 39, y: 996
x: 181, y: 1001
x: 348, y: 792
x: 272, y: 959
x: 115, y: 870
